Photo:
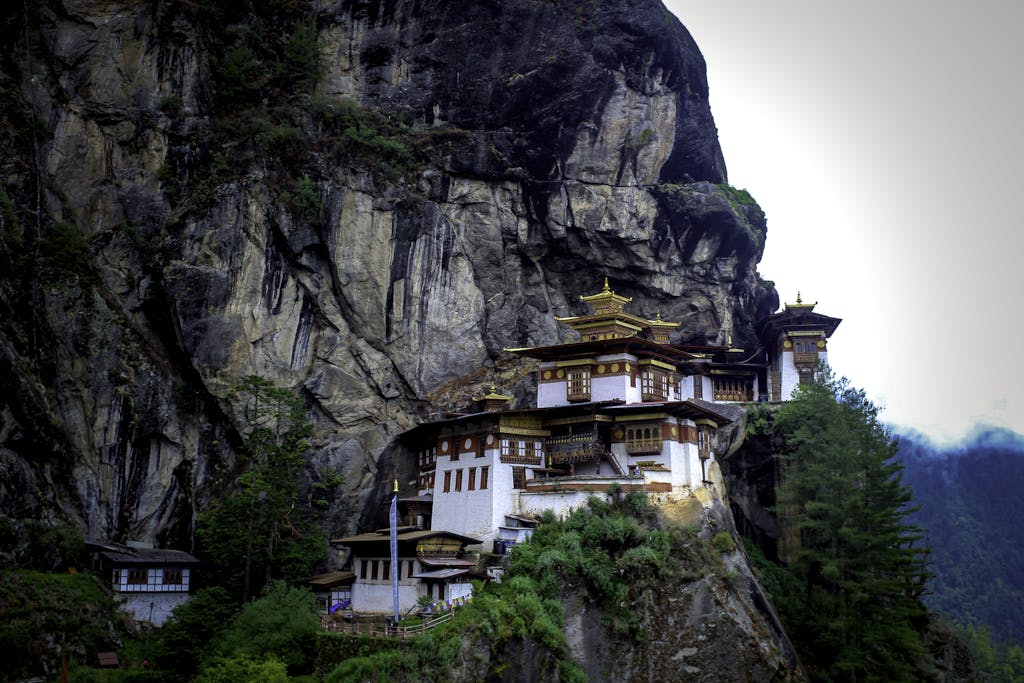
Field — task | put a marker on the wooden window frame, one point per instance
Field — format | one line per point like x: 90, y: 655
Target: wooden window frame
x: 471, y: 484
x: 519, y: 478
x: 644, y: 438
x: 577, y: 384
x: 458, y: 480
x: 447, y: 481
x: 654, y: 384
x: 484, y: 471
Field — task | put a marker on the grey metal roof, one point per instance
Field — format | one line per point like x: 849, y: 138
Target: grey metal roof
x: 119, y: 553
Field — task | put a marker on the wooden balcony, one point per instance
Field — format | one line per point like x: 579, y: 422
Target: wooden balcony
x: 574, y: 448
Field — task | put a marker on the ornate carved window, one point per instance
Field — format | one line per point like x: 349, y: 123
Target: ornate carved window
x: 518, y: 451
x: 643, y: 438
x: 578, y: 383
x: 138, y: 577
x: 172, y: 576
x: 805, y: 351
x: 654, y: 384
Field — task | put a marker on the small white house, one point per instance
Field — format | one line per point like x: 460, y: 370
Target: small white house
x: 148, y: 582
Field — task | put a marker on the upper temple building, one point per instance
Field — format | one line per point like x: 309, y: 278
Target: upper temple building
x: 622, y: 408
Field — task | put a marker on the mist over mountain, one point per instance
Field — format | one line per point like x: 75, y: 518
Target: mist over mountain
x: 967, y: 495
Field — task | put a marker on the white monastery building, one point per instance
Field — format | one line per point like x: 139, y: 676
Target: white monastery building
x: 622, y: 409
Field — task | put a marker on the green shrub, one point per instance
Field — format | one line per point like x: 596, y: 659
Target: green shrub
x: 736, y: 196
x: 182, y: 642
x: 243, y: 668
x: 64, y: 252
x: 171, y: 105
x: 723, y: 542
x: 283, y: 623
x: 304, y: 202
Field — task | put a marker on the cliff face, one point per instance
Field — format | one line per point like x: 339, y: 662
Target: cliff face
x: 150, y: 260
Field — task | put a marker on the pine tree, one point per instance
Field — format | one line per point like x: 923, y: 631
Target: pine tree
x: 264, y: 530
x: 860, y: 564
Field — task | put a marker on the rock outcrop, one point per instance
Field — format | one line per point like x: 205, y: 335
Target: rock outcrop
x: 553, y: 144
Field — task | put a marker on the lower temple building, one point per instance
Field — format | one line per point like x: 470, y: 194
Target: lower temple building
x: 430, y: 563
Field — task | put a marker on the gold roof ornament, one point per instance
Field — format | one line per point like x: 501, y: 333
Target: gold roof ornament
x: 493, y: 400
x: 659, y: 322
x: 800, y: 303
x: 494, y: 395
x: 605, y: 301
x: 728, y: 344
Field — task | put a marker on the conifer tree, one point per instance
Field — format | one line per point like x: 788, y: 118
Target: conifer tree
x: 860, y: 565
x: 264, y: 530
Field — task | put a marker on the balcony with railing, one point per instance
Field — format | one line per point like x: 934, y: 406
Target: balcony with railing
x: 733, y: 389
x: 644, y: 439
x: 573, y: 448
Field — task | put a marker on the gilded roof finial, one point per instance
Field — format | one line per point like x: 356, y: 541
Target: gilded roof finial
x: 798, y: 299
x: 728, y: 339
x: 606, y: 287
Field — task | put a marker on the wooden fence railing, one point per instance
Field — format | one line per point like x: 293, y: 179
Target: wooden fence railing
x: 379, y: 630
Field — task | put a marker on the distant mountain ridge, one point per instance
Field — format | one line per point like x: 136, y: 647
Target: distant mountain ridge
x: 967, y: 496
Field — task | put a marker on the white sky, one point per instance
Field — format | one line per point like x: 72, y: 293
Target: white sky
x: 885, y: 143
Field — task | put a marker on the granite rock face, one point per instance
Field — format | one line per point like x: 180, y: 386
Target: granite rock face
x: 569, y: 142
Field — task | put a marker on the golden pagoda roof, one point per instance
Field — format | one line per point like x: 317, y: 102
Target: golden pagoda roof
x: 494, y: 395
x: 606, y: 309
x: 800, y: 305
x: 658, y: 322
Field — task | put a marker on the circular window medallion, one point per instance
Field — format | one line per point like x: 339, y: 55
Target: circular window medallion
x: 600, y: 369
x: 615, y: 367
x: 675, y: 431
x: 468, y: 444
x: 490, y: 439
x: 444, y: 446
x: 821, y: 344
x: 561, y: 374
x: 547, y: 374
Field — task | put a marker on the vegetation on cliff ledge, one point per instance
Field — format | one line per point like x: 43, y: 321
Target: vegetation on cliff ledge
x: 850, y: 593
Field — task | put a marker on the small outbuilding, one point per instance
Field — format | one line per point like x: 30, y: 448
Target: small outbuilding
x: 149, y: 582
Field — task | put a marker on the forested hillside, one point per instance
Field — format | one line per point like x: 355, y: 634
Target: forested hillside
x: 967, y: 496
